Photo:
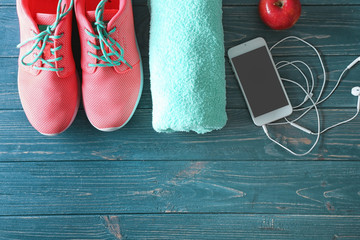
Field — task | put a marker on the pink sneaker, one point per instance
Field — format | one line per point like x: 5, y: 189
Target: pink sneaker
x: 110, y: 62
x: 47, y: 80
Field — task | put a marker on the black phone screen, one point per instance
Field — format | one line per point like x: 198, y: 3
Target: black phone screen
x: 259, y: 81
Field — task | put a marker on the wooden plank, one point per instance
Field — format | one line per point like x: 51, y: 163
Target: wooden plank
x: 303, y: 2
x: 280, y: 187
x: 10, y: 35
x: 339, y: 35
x: 9, y: 98
x: 335, y: 36
x: 239, y: 3
x: 239, y: 140
x: 181, y: 226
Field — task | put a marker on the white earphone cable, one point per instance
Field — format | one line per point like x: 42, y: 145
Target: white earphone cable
x: 308, y: 96
x: 318, y: 121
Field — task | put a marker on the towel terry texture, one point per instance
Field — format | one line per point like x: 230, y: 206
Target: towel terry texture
x: 187, y: 65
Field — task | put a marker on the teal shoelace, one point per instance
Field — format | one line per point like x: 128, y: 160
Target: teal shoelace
x: 113, y: 57
x: 44, y: 37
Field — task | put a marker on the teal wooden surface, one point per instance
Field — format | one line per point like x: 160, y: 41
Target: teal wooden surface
x: 241, y: 2
x: 181, y: 226
x: 239, y: 140
x: 229, y: 184
x: 280, y: 187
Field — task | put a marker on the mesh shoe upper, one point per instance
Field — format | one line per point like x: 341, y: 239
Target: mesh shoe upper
x: 110, y: 93
x: 48, y: 91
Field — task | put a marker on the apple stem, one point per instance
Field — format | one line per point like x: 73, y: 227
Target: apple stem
x: 278, y: 3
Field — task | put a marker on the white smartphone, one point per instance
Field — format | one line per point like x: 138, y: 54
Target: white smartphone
x: 260, y: 81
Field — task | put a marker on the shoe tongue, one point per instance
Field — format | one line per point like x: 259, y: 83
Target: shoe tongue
x: 108, y: 15
x: 44, y: 19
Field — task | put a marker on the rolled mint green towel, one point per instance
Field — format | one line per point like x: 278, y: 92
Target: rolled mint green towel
x: 187, y: 65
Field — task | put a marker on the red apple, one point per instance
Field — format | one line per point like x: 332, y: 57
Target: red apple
x: 280, y: 14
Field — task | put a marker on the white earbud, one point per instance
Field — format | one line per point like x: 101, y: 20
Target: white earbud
x: 356, y: 92
x: 353, y: 63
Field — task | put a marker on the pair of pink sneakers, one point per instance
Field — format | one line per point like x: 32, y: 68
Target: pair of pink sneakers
x: 48, y: 83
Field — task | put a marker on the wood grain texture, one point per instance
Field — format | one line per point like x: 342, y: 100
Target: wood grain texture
x: 333, y: 35
x: 303, y: 2
x: 279, y: 187
x: 239, y: 2
x: 338, y: 35
x: 239, y: 140
x: 181, y: 226
x: 9, y: 98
